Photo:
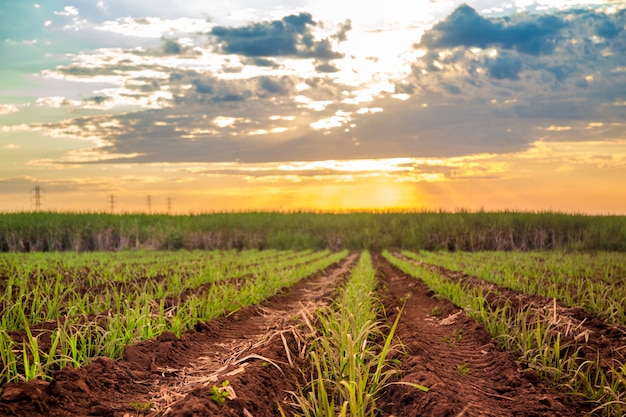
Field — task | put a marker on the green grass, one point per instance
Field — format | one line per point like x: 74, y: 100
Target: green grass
x: 350, y: 356
x: 536, y: 338
x: 126, y: 296
x: 591, y: 281
x: 468, y: 231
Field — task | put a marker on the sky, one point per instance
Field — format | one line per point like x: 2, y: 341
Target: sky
x: 191, y: 106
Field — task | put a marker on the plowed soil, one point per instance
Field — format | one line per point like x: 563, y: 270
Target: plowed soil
x: 455, y: 357
x: 579, y: 328
x: 259, y: 351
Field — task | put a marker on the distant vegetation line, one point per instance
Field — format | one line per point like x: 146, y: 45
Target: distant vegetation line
x: 468, y: 231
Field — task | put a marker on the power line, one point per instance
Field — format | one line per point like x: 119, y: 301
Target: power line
x: 169, y: 204
x: 112, y: 202
x: 37, y: 190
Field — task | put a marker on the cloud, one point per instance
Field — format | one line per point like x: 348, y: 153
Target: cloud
x: 556, y: 108
x: 478, y: 85
x: 507, y: 66
x: 289, y: 37
x: 465, y: 27
x: 260, y: 62
x: 207, y: 87
x: 68, y: 11
x: 172, y: 47
x: 97, y: 100
x: 326, y: 67
x: 273, y: 86
x: 342, y: 31
x: 219, y: 90
x: 8, y: 109
x: 500, y: 57
x: 607, y: 26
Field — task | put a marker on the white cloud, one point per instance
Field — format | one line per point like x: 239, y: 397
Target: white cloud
x: 68, y: 11
x: 337, y: 120
x: 56, y: 102
x: 223, y: 121
x: 17, y: 128
x: 154, y: 27
x: 8, y: 109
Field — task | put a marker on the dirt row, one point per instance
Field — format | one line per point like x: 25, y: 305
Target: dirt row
x: 455, y: 357
x: 253, y: 360
x: 175, y: 376
x: 580, y: 328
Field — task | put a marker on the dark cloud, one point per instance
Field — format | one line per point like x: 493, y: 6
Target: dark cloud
x: 97, y: 99
x: 276, y: 86
x: 168, y: 47
x: 582, y: 83
x: 451, y: 88
x: 260, y: 62
x: 186, y: 134
x: 556, y: 108
x: 504, y: 66
x: 326, y: 68
x: 220, y: 90
x: 496, y: 98
x: 172, y: 47
x: 342, y: 31
x: 538, y: 52
x: 443, y: 128
x: 600, y: 24
x: 192, y: 128
x: 289, y: 37
x: 324, y: 88
x: 404, y: 87
x: 609, y: 30
x: 322, y: 50
x: 465, y: 27
x: 232, y: 69
x: 94, y: 71
x: 208, y: 88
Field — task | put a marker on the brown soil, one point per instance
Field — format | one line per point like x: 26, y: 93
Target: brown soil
x: 579, y: 328
x: 176, y: 375
x: 452, y: 355
x: 259, y: 351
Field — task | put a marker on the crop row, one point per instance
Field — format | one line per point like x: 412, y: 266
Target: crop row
x: 542, y: 343
x: 592, y: 281
x: 44, y: 288
x: 350, y: 354
x: 97, y: 268
x: 86, y: 325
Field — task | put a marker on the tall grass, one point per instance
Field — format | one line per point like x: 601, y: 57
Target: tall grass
x: 472, y: 231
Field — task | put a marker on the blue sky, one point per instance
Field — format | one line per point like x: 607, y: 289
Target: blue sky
x: 314, y: 104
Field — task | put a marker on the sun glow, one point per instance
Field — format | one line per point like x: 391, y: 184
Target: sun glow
x: 357, y: 165
x: 364, y: 195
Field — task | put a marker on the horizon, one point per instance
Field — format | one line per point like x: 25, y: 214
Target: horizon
x: 282, y: 106
x: 340, y: 211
